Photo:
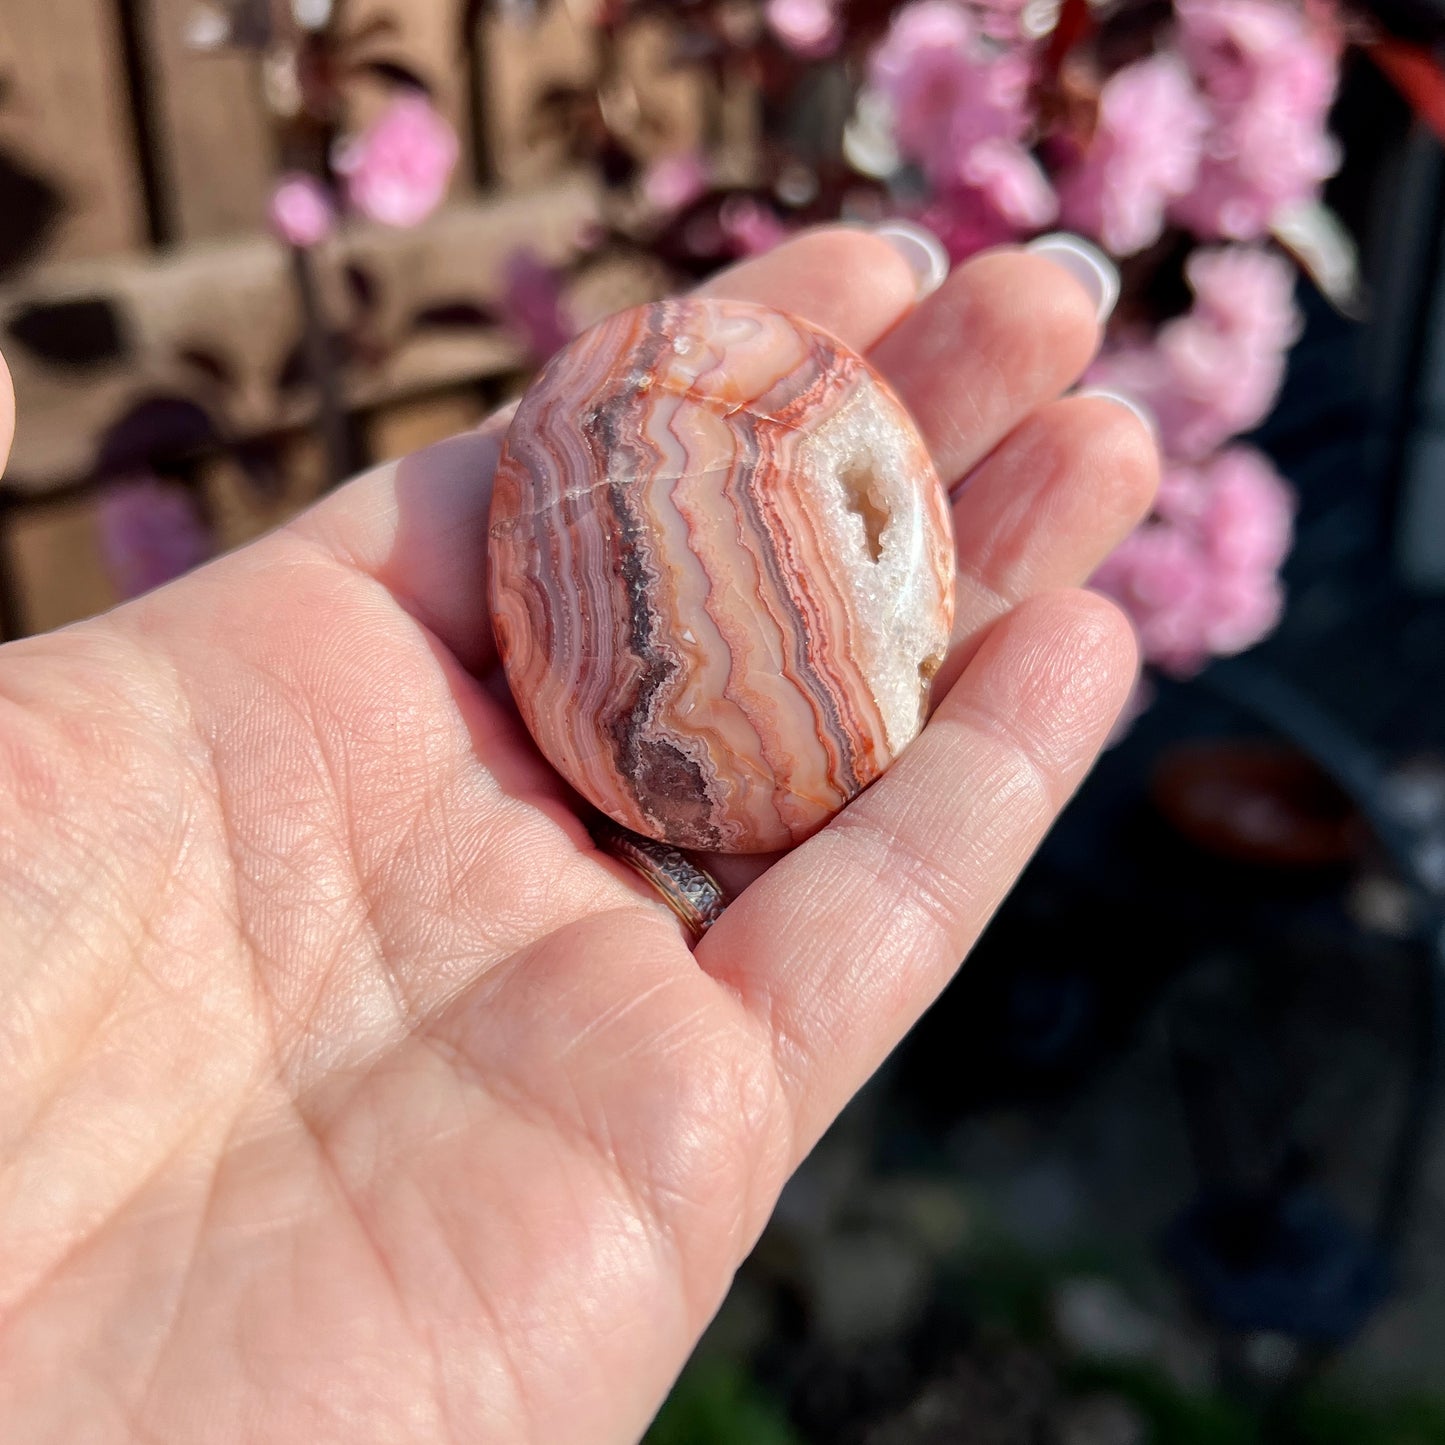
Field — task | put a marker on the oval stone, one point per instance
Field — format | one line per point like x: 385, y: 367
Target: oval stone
x: 721, y: 572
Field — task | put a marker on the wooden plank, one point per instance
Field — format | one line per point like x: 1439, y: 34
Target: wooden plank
x: 408, y: 426
x: 655, y: 104
x: 65, y: 116
x: 53, y: 552
x: 666, y: 99
x: 521, y: 60
x: 234, y: 301
x: 214, y: 136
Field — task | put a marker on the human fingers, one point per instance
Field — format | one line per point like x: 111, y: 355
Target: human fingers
x: 841, y: 945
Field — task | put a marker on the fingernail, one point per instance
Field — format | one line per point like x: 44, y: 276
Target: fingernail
x: 1141, y: 411
x: 921, y: 249
x: 1087, y: 264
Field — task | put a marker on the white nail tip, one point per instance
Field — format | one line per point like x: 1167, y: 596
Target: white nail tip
x: 1142, y: 412
x: 922, y: 250
x: 1087, y: 264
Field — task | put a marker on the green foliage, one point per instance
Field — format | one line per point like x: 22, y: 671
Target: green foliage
x: 1008, y: 1285
x: 1176, y: 1416
x: 1325, y: 1419
x: 715, y: 1403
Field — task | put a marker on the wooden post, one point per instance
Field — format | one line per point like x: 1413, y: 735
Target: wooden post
x: 217, y: 154
x: 66, y: 116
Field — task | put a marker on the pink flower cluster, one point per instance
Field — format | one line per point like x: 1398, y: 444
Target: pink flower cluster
x: 301, y: 212
x: 1220, y: 136
x: 810, y: 28
x: 1144, y: 155
x: 396, y: 172
x: 1215, y: 372
x: 1268, y: 75
x: 960, y: 107
x: 1201, y: 578
x: 1217, y: 124
x: 673, y: 182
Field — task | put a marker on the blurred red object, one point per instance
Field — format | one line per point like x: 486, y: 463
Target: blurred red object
x: 1417, y: 75
x: 1261, y: 803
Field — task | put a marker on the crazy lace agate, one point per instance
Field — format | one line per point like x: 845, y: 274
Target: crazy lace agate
x: 721, y: 573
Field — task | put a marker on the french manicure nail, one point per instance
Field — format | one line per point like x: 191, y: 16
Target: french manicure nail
x: 1087, y: 264
x: 921, y: 249
x: 1141, y: 411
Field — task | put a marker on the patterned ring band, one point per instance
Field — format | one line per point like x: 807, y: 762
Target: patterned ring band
x: 691, y: 892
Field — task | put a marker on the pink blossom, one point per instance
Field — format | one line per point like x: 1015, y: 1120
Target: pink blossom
x: 923, y: 68
x: 675, y: 181
x: 960, y: 109
x: 750, y: 227
x: 1269, y: 77
x: 810, y: 28
x: 1001, y: 19
x: 301, y: 211
x: 150, y: 533
x: 1247, y: 290
x: 532, y: 304
x: 927, y: 28
x: 966, y: 223
x: 1200, y: 579
x: 1159, y: 576
x: 1215, y: 372
x: 1013, y: 182
x: 1144, y: 154
x: 1247, y: 521
x: 1245, y: 608
x: 398, y: 170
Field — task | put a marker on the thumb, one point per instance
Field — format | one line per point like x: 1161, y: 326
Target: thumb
x: 7, y: 413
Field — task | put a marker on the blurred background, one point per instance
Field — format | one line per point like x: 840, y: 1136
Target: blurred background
x: 1166, y: 1163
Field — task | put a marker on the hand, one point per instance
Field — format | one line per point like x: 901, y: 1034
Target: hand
x: 346, y: 1092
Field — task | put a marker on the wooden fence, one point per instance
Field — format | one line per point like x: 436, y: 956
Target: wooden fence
x: 156, y: 163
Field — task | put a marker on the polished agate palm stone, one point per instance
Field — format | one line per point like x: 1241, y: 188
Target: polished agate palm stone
x: 721, y: 573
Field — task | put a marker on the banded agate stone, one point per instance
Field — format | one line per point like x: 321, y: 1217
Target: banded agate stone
x: 721, y: 572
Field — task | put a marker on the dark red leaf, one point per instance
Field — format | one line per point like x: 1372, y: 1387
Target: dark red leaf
x: 1076, y: 23
x: 153, y: 433
x: 1417, y: 75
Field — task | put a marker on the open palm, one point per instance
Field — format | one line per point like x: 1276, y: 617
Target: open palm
x: 346, y: 1091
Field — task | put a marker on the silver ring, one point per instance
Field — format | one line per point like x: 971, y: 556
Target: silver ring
x: 692, y: 893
